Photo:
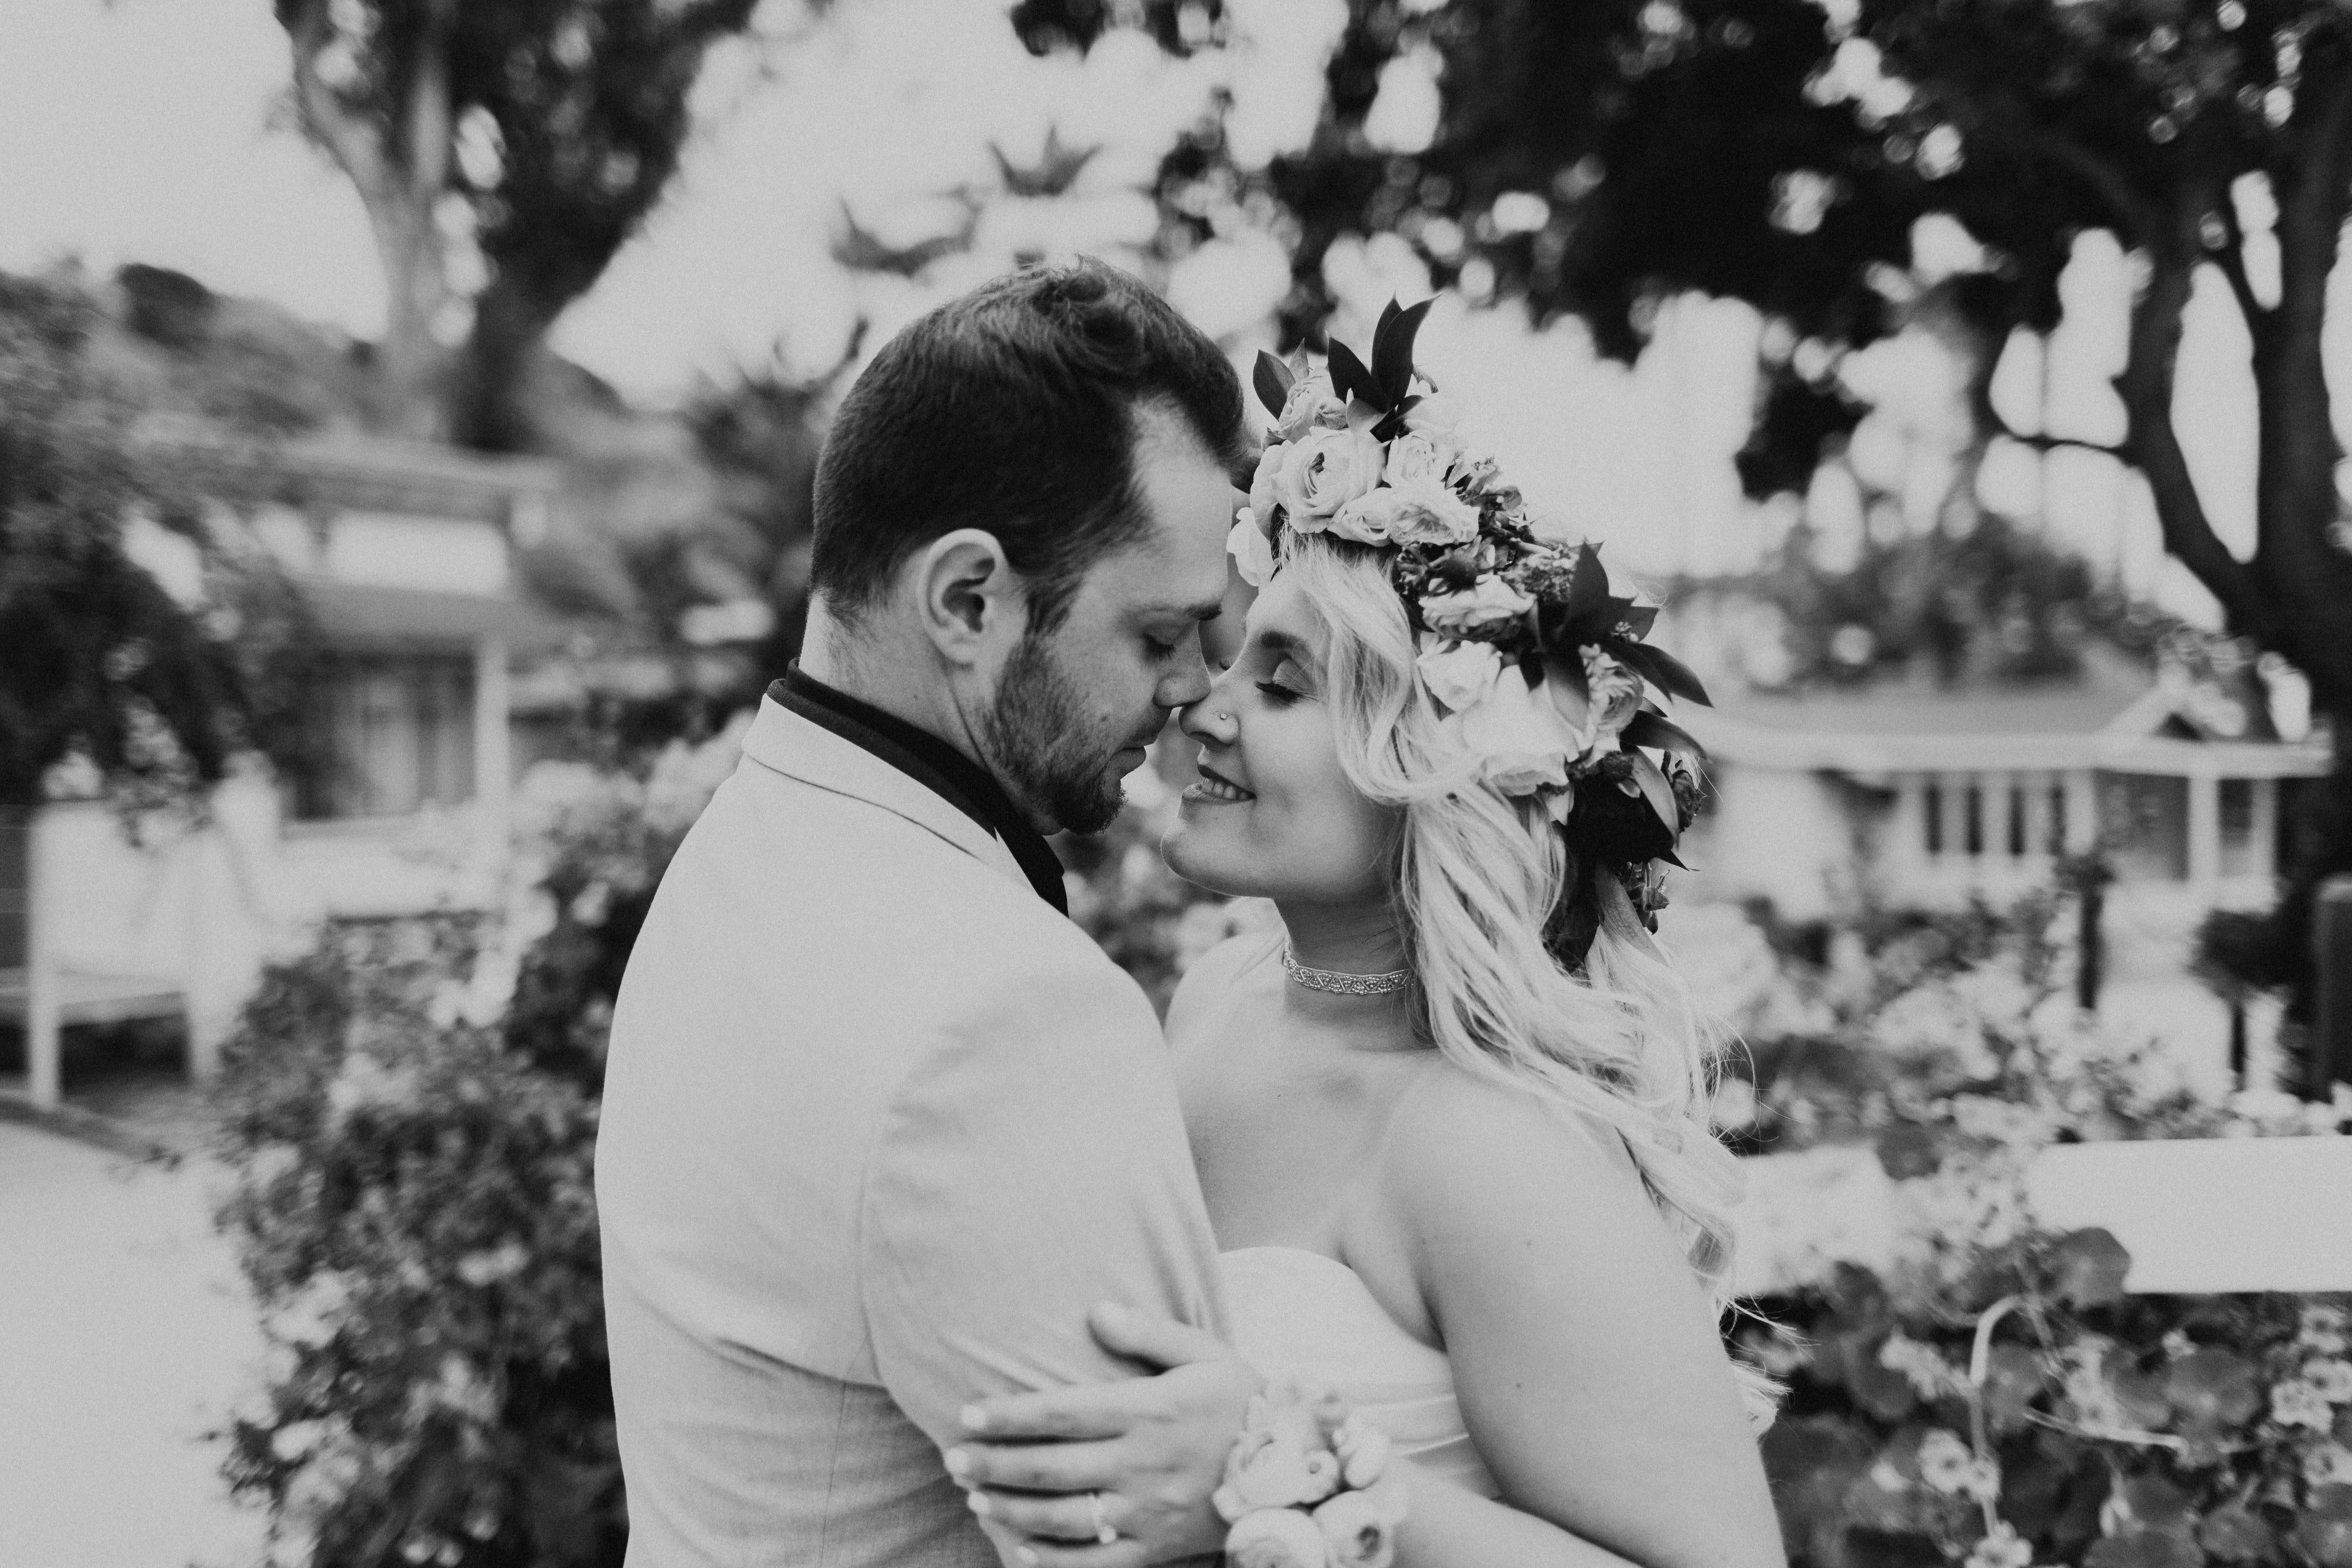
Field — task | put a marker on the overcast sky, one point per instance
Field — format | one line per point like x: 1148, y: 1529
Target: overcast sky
x: 154, y: 131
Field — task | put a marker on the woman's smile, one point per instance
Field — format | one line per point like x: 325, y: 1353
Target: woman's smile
x: 1214, y: 786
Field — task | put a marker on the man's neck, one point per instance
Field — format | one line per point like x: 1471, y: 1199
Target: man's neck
x: 901, y: 681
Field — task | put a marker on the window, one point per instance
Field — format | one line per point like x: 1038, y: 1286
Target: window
x: 394, y: 734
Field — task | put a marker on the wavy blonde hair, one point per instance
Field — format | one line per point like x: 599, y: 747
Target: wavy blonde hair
x: 1480, y: 878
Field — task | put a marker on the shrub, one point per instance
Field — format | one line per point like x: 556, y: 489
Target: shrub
x: 411, y: 1112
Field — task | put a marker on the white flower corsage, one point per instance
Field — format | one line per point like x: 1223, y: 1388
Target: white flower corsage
x: 1303, y: 1485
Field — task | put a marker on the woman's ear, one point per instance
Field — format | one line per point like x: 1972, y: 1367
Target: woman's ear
x: 968, y: 601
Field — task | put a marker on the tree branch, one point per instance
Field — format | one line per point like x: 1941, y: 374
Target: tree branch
x: 2231, y: 257
x: 2003, y: 430
x: 2133, y: 215
x: 2146, y: 387
x: 344, y: 132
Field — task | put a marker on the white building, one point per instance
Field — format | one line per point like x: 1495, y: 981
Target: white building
x: 404, y: 554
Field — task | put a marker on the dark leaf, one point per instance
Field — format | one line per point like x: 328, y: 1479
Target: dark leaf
x: 2089, y: 1267
x: 2214, y: 1388
x: 1638, y: 620
x: 1561, y: 664
x: 2153, y: 1503
x: 1892, y: 1549
x: 1909, y: 1149
x: 1350, y: 379
x: 1659, y: 794
x: 2237, y: 1534
x: 1674, y: 677
x: 2170, y: 1548
x: 1649, y: 730
x: 2324, y: 1531
x: 1272, y: 379
x: 1392, y: 351
x: 1587, y: 589
x: 2013, y: 1380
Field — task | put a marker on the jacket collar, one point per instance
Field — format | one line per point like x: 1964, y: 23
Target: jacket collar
x: 792, y: 745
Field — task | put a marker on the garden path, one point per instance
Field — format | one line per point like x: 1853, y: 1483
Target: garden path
x: 128, y: 1332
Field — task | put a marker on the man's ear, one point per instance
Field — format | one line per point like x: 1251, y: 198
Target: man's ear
x: 970, y: 604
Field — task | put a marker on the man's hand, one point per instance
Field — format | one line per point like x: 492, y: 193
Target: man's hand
x: 1140, y: 1456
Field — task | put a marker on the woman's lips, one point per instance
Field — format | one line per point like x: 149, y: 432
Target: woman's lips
x: 1215, y: 786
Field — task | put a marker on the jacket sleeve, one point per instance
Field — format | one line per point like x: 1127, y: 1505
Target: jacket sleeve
x: 1030, y: 1165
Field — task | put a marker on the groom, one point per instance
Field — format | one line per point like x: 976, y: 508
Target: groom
x: 880, y: 1124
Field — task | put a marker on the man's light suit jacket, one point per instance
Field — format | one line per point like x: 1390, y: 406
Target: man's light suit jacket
x: 878, y: 1126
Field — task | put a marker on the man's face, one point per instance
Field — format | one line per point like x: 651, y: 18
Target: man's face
x: 1075, y: 708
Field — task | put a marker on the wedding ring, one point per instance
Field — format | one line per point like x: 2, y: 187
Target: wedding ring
x: 1104, y: 1533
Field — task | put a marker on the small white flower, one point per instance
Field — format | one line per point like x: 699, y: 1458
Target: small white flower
x: 1488, y: 602
x: 1922, y: 1365
x: 2003, y: 1548
x: 1413, y: 457
x: 2328, y: 1464
x: 2324, y: 1330
x: 1252, y: 552
x: 1949, y: 1465
x: 2332, y: 1378
x: 1311, y: 402
x: 490, y: 1266
x: 1458, y: 674
x: 2297, y: 1402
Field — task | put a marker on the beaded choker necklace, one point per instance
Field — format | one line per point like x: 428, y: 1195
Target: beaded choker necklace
x: 1342, y: 983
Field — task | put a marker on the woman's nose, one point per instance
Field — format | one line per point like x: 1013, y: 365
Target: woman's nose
x: 1208, y: 721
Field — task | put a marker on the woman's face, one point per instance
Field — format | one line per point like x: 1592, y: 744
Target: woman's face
x: 1273, y: 816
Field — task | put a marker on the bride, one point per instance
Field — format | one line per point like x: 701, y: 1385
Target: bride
x: 1449, y: 1114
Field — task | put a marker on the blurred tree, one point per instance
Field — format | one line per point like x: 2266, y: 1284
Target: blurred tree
x: 1179, y: 26
x: 98, y: 662
x: 534, y: 135
x: 1591, y: 159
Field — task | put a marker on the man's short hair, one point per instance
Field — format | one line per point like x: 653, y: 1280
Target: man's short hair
x: 1015, y: 409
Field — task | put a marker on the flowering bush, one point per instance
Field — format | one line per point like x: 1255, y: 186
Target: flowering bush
x: 1983, y: 1392
x: 411, y: 1113
x: 2029, y: 1411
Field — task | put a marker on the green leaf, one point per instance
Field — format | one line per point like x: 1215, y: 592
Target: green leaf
x: 2171, y: 1548
x: 1638, y: 619
x: 1675, y: 677
x: 2324, y: 1531
x: 2213, y: 1391
x: 1392, y: 351
x: 2089, y: 1267
x: 1650, y: 730
x: 1659, y: 794
x: 1272, y: 379
x: 1349, y: 378
x: 2235, y: 1533
x: 1588, y: 588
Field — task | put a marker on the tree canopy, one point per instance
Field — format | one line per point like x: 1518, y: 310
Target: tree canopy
x: 520, y: 143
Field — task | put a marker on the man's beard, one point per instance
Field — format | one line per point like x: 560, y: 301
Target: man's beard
x: 1036, y: 739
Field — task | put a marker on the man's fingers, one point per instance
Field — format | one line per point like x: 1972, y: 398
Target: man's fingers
x: 1067, y: 1517
x: 1034, y: 1467
x: 1086, y: 1410
x: 1149, y: 1337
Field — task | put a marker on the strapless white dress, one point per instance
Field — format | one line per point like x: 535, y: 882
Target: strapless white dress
x: 1293, y: 1309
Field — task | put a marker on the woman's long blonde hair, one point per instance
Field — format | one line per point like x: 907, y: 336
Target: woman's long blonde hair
x: 1480, y: 878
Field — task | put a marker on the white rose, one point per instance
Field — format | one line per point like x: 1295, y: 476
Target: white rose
x: 1475, y: 472
x: 1412, y: 457
x: 1311, y: 402
x: 1429, y: 512
x: 1520, y: 741
x: 1488, y: 602
x: 1252, y: 552
x: 1435, y: 417
x: 1321, y: 472
x: 1261, y: 497
x: 1615, y: 697
x: 1458, y: 674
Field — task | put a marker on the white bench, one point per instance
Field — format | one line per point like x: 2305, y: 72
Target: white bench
x: 2199, y: 1216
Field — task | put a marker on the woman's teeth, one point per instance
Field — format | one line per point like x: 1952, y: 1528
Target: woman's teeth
x: 1210, y: 788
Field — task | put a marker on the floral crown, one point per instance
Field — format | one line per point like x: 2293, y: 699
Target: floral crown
x: 1540, y: 669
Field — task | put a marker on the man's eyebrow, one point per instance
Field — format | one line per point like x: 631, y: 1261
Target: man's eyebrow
x: 1204, y: 610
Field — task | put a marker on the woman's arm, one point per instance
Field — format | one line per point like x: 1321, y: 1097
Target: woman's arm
x: 1585, y: 1355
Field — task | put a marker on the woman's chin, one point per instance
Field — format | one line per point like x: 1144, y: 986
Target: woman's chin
x: 1203, y: 856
